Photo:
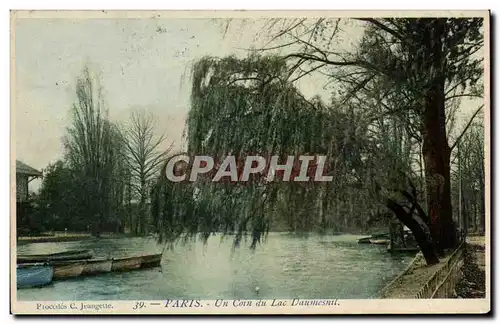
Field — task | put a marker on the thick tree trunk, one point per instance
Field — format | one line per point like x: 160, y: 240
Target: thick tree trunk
x: 437, y: 173
x: 419, y: 229
x: 435, y: 148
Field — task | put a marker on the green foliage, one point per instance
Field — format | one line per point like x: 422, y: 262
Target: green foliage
x: 246, y: 107
x: 371, y: 130
x: 57, y: 200
x: 95, y: 158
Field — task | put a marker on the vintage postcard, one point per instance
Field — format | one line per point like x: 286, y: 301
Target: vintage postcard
x: 250, y: 162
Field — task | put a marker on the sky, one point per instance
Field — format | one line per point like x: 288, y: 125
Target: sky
x: 143, y: 63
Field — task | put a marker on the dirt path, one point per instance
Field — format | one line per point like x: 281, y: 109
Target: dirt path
x: 408, y: 284
x: 473, y: 283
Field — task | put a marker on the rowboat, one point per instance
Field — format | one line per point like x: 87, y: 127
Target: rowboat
x: 60, y: 256
x: 377, y: 238
x: 92, y: 267
x: 67, y: 269
x: 151, y: 260
x: 379, y: 241
x: 33, y: 275
x: 365, y: 240
x: 126, y: 264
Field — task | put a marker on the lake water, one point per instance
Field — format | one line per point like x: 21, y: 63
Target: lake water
x: 285, y: 266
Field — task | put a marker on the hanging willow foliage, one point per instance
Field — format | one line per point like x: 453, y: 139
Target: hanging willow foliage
x: 247, y: 107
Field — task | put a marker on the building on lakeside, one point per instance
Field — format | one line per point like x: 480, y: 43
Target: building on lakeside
x: 24, y: 174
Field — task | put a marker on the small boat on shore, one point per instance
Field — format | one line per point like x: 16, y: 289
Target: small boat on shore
x: 379, y: 241
x: 126, y: 264
x: 93, y: 267
x: 365, y: 240
x: 151, y: 260
x: 60, y: 256
x: 39, y: 274
x: 67, y: 269
x: 375, y: 239
x: 34, y: 275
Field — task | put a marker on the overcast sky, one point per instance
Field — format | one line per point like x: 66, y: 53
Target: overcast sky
x: 141, y: 67
x: 143, y: 62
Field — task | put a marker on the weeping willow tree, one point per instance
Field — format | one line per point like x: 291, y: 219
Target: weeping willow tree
x: 245, y: 107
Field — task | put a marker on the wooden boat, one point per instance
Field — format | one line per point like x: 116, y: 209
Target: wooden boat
x: 34, y: 275
x: 379, y: 241
x: 365, y: 240
x: 378, y: 238
x: 93, y: 267
x: 60, y: 256
x: 126, y: 264
x: 67, y: 269
x: 151, y: 260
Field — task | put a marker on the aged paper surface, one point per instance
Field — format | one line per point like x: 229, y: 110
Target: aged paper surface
x: 250, y: 162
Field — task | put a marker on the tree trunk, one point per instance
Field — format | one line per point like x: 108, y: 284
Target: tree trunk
x: 320, y: 206
x: 474, y: 214
x: 435, y: 148
x: 136, y: 225
x: 482, y: 214
x: 142, y: 205
x: 437, y: 176
x: 96, y: 226
x: 419, y: 229
x: 142, y: 215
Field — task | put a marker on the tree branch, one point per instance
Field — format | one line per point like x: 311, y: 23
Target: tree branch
x: 464, y: 95
x: 382, y: 26
x: 319, y: 59
x: 466, y: 127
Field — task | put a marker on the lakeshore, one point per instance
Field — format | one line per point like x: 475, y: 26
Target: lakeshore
x: 67, y: 237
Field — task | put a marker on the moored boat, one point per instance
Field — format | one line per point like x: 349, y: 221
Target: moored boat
x: 67, y: 269
x: 126, y: 264
x: 379, y: 241
x: 33, y: 275
x: 151, y: 260
x: 381, y: 238
x: 60, y: 256
x: 93, y: 267
x: 365, y: 240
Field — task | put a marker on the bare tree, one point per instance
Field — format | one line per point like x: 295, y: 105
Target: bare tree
x: 144, y: 155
